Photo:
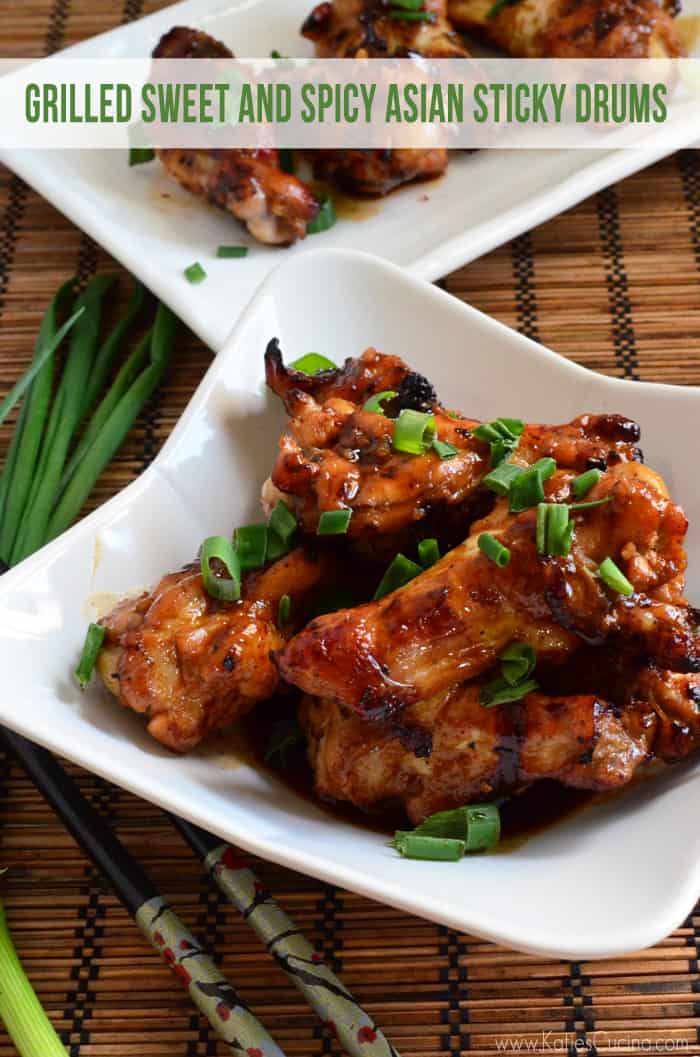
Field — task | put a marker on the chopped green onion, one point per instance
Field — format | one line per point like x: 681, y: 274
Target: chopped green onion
x: 375, y: 403
x: 527, y: 490
x: 141, y: 156
x: 91, y: 650
x: 276, y: 546
x: 554, y: 531
x: 325, y: 218
x: 614, y: 578
x: 584, y: 482
x: 517, y: 662
x: 478, y: 825
x: 493, y: 549
x: 285, y: 737
x: 503, y: 435
x: 283, y: 522
x: 275, y: 54
x: 435, y: 849
x: 195, y: 273
x: 333, y: 523
x: 232, y: 251
x: 219, y: 548
x: 401, y: 571
x: 286, y: 156
x: 428, y: 552
x: 500, y: 479
x: 414, y: 431
x: 589, y: 505
x: 250, y: 542
x: 407, y: 5
x: 411, y: 16
x: 498, y: 6
x: 312, y: 363
x: 284, y: 611
x: 443, y: 449
x: 500, y: 692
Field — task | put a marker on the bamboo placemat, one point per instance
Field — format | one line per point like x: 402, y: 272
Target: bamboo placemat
x: 615, y: 285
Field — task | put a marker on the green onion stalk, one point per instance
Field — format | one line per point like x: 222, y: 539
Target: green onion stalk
x: 20, y: 1010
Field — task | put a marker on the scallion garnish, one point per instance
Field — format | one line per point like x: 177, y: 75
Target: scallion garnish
x: 614, y: 578
x: 435, y: 849
x: 91, y: 650
x: 590, y: 504
x: 407, y: 5
x: 498, y: 6
x: 325, y: 218
x: 284, y: 523
x: 141, y: 156
x: 411, y: 16
x: 221, y: 550
x: 500, y: 479
x: 286, y: 736
x: 312, y: 363
x: 414, y: 431
x: 428, y: 552
x: 399, y: 572
x: 195, y: 273
x: 584, y: 482
x: 284, y: 611
x: 251, y: 544
x: 517, y: 662
x: 443, y: 449
x: 503, y: 435
x: 375, y: 404
x: 275, y: 54
x: 475, y: 826
x: 527, y: 489
x: 493, y: 549
x: 333, y: 523
x: 276, y: 546
x: 500, y: 691
x: 555, y: 530
x: 232, y: 251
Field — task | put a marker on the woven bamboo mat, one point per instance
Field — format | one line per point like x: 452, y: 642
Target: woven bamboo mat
x: 615, y: 285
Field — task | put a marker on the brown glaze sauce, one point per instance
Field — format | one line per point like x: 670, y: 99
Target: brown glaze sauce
x: 544, y: 805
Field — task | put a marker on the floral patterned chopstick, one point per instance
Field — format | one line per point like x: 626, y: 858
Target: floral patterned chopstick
x: 355, y: 1030
x: 209, y: 989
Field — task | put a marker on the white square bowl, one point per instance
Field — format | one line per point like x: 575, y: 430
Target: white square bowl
x: 612, y: 879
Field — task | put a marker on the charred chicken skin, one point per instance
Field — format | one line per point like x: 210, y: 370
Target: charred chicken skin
x: 451, y: 622
x: 192, y: 664
x: 335, y: 454
x: 592, y: 29
x: 274, y: 205
x: 365, y: 29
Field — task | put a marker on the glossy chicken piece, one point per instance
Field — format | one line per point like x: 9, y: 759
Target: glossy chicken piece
x: 451, y: 622
x: 365, y: 29
x: 274, y: 205
x: 449, y: 750
x: 574, y: 28
x: 335, y: 454
x: 192, y: 664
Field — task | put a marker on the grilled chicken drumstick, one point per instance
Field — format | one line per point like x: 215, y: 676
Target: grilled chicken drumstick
x: 336, y: 454
x: 588, y: 29
x: 451, y: 622
x: 274, y: 205
x: 368, y: 29
x: 192, y: 664
x: 449, y: 750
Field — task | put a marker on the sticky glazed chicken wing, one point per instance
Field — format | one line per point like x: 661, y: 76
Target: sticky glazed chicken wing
x: 334, y: 454
x: 274, y: 205
x: 369, y: 29
x: 192, y: 664
x: 451, y: 622
x: 590, y: 29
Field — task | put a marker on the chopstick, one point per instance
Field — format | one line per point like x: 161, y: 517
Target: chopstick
x: 209, y: 989
x: 355, y: 1030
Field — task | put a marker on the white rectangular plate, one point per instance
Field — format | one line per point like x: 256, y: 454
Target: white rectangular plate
x: 614, y: 878
x: 483, y: 200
